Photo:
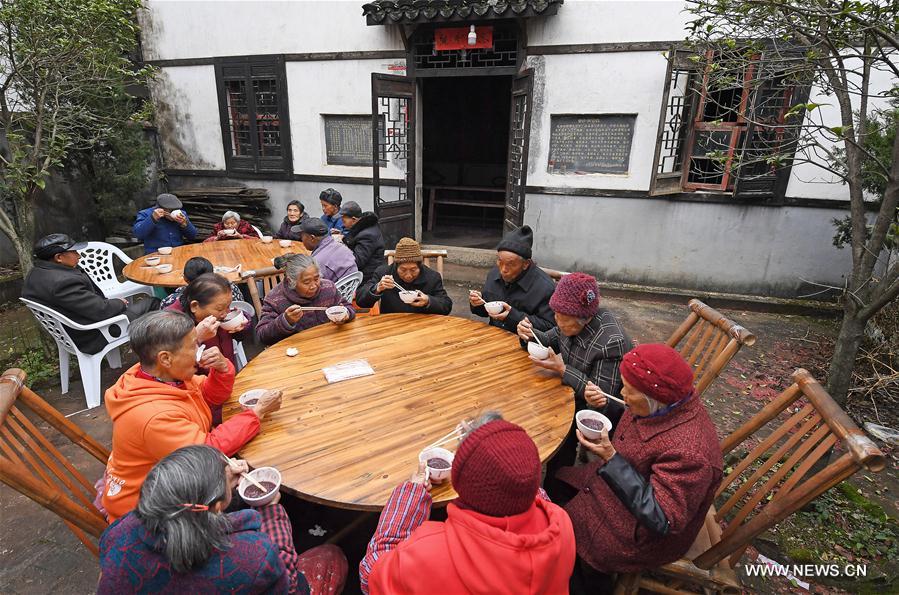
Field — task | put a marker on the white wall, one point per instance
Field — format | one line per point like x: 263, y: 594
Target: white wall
x: 329, y: 87
x: 810, y: 181
x: 609, y: 21
x: 715, y: 247
x: 197, y: 29
x: 592, y: 84
x: 187, y: 115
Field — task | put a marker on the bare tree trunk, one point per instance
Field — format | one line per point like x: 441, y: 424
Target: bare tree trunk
x: 839, y: 374
x: 24, y: 240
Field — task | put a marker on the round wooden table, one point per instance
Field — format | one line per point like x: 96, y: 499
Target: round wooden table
x: 252, y: 254
x: 348, y: 444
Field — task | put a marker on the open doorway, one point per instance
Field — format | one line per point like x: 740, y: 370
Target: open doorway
x: 464, y: 159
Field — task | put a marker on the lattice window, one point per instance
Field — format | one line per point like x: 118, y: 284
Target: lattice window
x: 504, y: 52
x: 720, y: 136
x: 253, y: 104
x: 393, y: 145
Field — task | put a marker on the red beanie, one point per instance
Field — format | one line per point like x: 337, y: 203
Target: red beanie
x: 658, y: 371
x: 496, y: 470
x: 577, y: 294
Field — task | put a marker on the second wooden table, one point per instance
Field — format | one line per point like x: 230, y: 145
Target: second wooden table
x: 348, y: 444
x: 251, y: 254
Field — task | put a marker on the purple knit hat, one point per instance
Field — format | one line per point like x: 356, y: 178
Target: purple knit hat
x: 577, y: 294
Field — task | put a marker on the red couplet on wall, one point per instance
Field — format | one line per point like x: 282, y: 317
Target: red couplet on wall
x: 456, y: 38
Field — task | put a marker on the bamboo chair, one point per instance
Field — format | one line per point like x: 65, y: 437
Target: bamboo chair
x: 708, y: 341
x: 774, y: 479
x: 437, y: 256
x: 555, y: 275
x: 268, y: 278
x: 33, y: 466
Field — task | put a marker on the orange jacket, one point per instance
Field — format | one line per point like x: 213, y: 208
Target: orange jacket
x: 151, y: 419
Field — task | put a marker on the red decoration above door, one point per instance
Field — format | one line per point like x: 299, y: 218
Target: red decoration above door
x: 456, y: 38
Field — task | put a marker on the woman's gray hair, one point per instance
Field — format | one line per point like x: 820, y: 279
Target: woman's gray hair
x: 295, y: 266
x: 190, y: 475
x: 230, y: 215
x: 481, y: 420
x: 158, y: 331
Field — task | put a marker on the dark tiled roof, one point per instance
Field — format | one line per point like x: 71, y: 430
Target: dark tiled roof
x: 393, y: 12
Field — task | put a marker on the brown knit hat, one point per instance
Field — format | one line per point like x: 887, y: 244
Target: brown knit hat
x: 407, y: 250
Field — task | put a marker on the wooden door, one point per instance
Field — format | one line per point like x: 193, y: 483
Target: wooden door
x: 393, y: 149
x: 519, y: 135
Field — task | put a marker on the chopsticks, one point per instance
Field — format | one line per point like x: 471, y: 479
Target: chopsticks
x: 455, y: 434
x: 245, y: 475
x: 313, y: 308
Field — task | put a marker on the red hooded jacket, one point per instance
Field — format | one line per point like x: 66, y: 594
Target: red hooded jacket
x: 529, y: 553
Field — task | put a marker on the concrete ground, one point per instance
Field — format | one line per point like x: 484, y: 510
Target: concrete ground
x: 39, y: 555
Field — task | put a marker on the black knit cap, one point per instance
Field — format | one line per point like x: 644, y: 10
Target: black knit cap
x: 313, y: 226
x: 331, y: 196
x: 518, y: 241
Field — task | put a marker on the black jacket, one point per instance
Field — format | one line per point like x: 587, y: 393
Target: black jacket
x: 284, y: 232
x: 528, y: 295
x: 72, y: 293
x: 367, y: 244
x: 429, y: 282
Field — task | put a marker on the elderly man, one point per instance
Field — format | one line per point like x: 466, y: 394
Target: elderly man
x: 502, y: 535
x: 163, y: 225
x: 587, y: 345
x: 363, y: 237
x: 283, y: 311
x: 57, y: 282
x: 335, y: 261
x: 160, y: 404
x: 330, y: 200
x: 425, y: 285
x: 522, y: 287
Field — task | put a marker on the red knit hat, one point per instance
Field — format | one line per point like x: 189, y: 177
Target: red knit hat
x: 496, y: 470
x: 658, y: 371
x: 577, y: 294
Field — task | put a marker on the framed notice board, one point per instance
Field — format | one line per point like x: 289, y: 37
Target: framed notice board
x: 348, y: 139
x: 590, y: 143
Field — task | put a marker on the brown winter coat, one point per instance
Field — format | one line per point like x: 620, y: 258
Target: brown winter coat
x: 678, y: 453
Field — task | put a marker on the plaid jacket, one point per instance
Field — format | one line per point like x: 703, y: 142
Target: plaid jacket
x: 593, y: 355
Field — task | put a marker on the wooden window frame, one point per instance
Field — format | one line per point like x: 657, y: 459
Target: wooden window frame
x: 248, y: 69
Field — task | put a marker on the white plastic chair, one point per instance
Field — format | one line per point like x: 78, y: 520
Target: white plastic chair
x: 57, y: 325
x: 258, y: 231
x: 97, y: 261
x: 347, y: 286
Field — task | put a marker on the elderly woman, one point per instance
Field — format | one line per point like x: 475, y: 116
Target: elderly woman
x: 587, y: 345
x: 303, y: 286
x: 408, y: 270
x: 296, y: 214
x: 502, y: 535
x: 232, y: 228
x: 179, y: 539
x: 207, y: 300
x: 643, y: 502
x: 160, y: 404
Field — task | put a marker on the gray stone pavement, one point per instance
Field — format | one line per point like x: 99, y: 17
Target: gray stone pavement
x: 38, y: 554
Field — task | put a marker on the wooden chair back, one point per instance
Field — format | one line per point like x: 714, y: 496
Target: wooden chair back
x: 433, y: 258
x: 267, y: 278
x: 33, y: 466
x: 555, y: 275
x: 708, y: 341
x: 777, y: 460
